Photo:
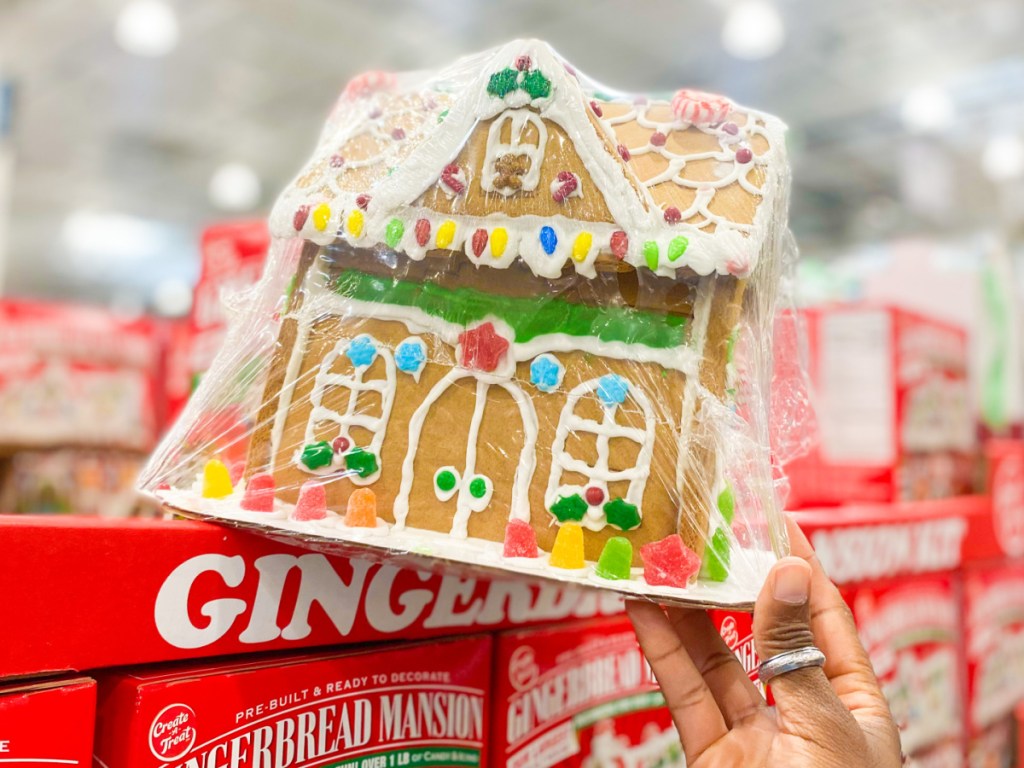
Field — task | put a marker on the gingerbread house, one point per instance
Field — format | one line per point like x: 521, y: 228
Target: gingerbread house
x: 513, y: 295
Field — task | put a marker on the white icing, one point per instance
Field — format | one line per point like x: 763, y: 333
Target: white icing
x: 433, y: 143
x: 600, y: 475
x: 355, y: 383
x: 747, y: 568
x: 288, y: 384
x: 517, y: 120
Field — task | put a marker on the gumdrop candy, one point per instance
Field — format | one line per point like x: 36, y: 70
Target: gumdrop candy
x: 727, y: 504
x: 361, y: 511
x: 568, y: 550
x: 259, y: 493
x: 312, y: 503
x: 216, y: 480
x: 236, y: 471
x: 669, y: 562
x: 715, y: 566
x: 616, y: 559
x: 520, y: 540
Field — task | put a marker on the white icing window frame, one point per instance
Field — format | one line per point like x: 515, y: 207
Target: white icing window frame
x: 355, y: 384
x: 605, y: 430
x: 496, y: 148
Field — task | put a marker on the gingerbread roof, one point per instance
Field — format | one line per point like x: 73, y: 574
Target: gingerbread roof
x: 512, y: 154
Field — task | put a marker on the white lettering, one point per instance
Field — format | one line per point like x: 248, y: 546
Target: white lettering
x: 171, y: 608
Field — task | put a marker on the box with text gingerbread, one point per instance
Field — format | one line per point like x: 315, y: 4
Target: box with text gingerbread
x: 415, y: 705
x: 88, y: 593
x: 994, y: 643
x: 893, y: 408
x: 578, y: 694
x: 47, y: 722
x: 911, y: 630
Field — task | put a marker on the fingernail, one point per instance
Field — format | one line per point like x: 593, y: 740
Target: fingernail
x: 792, y: 583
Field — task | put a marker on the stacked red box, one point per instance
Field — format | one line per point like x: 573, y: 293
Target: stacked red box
x: 75, y: 375
x: 899, y: 569
x: 893, y: 408
x: 48, y: 722
x: 578, y: 694
x: 92, y: 593
x: 412, y: 705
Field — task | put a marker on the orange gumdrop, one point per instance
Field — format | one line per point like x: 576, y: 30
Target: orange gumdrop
x: 361, y: 511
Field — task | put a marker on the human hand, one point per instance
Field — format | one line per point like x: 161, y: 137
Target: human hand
x: 834, y: 717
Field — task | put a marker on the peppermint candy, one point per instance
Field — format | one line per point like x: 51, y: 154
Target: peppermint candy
x: 369, y: 82
x: 565, y: 185
x: 700, y: 108
x: 453, y: 179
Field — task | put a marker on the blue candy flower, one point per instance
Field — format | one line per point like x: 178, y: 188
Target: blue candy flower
x: 612, y: 389
x: 546, y: 373
x: 361, y: 351
x: 411, y: 356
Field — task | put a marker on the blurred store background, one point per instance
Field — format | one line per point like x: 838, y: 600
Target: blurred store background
x: 142, y: 142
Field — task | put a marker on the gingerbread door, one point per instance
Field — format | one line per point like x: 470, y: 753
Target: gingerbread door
x: 470, y: 458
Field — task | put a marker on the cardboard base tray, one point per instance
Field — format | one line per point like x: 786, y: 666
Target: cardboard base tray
x: 440, y: 553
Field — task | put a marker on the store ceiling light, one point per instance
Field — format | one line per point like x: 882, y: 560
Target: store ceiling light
x: 1003, y: 158
x: 234, y: 187
x: 172, y: 297
x: 147, y: 28
x: 753, y: 30
x: 927, y: 110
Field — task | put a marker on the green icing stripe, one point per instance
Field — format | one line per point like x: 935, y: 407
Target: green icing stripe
x: 528, y: 317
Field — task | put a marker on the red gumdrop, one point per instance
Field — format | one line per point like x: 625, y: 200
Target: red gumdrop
x: 668, y: 562
x: 422, y: 232
x: 259, y: 493
x: 520, y: 540
x: 312, y: 503
x: 620, y: 244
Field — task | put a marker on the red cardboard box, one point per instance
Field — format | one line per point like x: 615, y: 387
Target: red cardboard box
x: 1006, y: 487
x: 994, y: 643
x: 72, y: 375
x: 578, y: 694
x: 911, y: 629
x: 893, y: 408
x: 994, y: 748
x: 87, y: 593
x: 412, y: 705
x: 947, y: 755
x: 49, y: 722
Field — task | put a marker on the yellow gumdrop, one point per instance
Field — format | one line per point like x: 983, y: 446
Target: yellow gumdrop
x: 445, y: 234
x: 355, y: 223
x: 321, y: 216
x: 499, y: 239
x: 581, y: 247
x: 568, y: 550
x: 216, y: 480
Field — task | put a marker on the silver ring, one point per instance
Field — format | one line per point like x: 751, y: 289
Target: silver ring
x: 790, y: 661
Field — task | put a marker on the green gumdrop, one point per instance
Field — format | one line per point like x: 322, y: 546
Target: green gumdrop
x: 715, y: 565
x: 393, y: 233
x: 317, y: 455
x: 650, y: 251
x: 569, y: 508
x: 727, y: 504
x: 361, y: 461
x: 616, y: 559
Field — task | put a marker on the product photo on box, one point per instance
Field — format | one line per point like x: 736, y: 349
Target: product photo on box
x: 513, y: 320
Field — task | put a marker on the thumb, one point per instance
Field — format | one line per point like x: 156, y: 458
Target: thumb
x: 805, y: 702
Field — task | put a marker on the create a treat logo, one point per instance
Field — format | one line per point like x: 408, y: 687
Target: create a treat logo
x: 173, y: 732
x: 522, y: 668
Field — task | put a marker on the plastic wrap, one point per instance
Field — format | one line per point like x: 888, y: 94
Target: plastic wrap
x: 514, y: 320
